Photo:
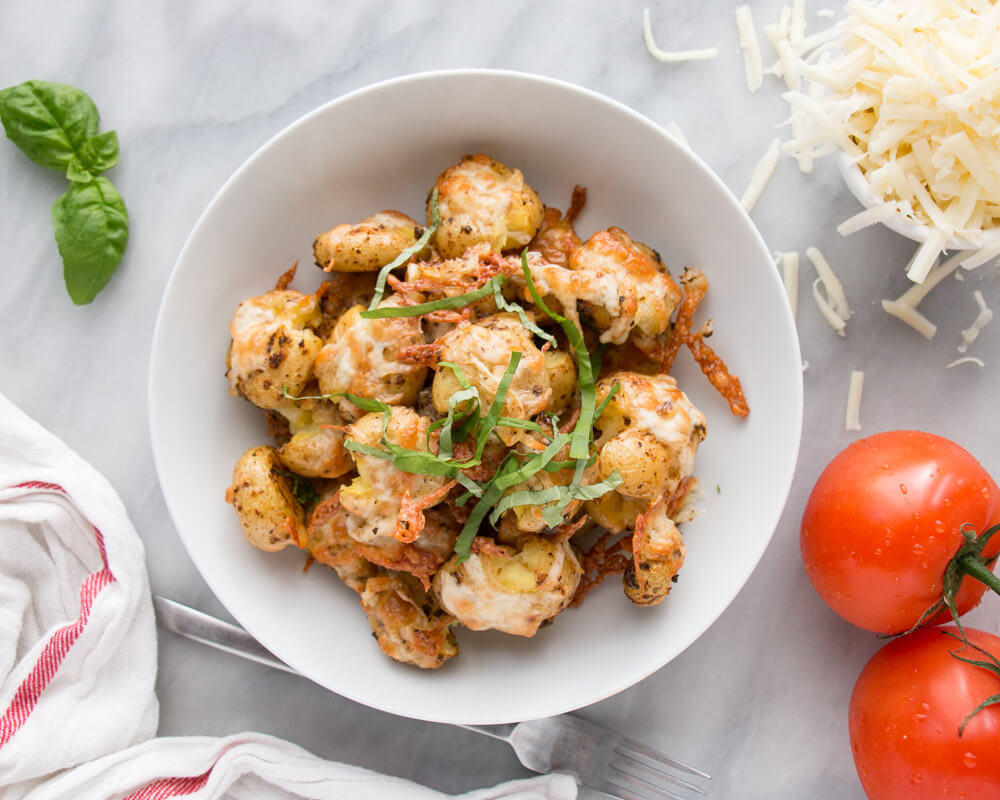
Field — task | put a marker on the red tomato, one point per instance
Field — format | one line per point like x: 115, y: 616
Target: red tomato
x: 905, y: 712
x: 883, y: 522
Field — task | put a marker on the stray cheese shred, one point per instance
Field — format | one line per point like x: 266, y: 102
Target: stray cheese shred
x: 762, y: 173
x: 751, y: 48
x: 904, y: 307
x: 910, y: 315
x: 835, y: 297
x: 967, y: 360
x: 790, y: 275
x: 970, y: 334
x: 910, y: 91
x: 852, y: 416
x: 675, y: 56
x: 870, y: 216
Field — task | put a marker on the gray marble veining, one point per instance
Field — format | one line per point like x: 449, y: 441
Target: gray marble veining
x: 194, y: 88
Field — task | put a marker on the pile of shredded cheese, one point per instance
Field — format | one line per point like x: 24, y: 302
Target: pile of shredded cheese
x: 911, y: 92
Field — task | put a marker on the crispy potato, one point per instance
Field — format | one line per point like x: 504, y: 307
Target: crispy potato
x: 273, y: 346
x: 510, y: 590
x: 315, y: 449
x: 658, y: 554
x: 482, y: 200
x: 650, y: 433
x: 614, y: 511
x: 368, y: 245
x: 483, y: 350
x: 375, y: 497
x: 407, y: 622
x: 360, y: 358
x: 270, y: 515
x: 656, y: 294
x: 529, y: 518
x: 561, y: 369
x: 328, y: 542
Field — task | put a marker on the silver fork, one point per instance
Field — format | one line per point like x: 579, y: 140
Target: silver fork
x: 597, y: 757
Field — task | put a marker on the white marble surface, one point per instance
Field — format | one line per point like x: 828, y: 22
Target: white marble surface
x: 194, y: 88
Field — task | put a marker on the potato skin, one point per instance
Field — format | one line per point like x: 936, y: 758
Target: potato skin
x: 658, y: 555
x: 407, y: 623
x: 360, y: 358
x: 561, y: 369
x: 483, y: 350
x: 650, y: 433
x: 316, y: 450
x: 509, y: 590
x: 268, y: 512
x: 482, y: 200
x: 272, y: 346
x: 368, y: 245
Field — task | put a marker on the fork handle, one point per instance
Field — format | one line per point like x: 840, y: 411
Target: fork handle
x: 501, y: 732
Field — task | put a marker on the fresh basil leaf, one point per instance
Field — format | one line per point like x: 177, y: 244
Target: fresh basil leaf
x: 49, y: 122
x: 77, y: 173
x: 100, y: 153
x: 91, y: 229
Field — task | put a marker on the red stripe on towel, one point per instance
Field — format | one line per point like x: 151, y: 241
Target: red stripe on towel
x: 59, y: 644
x: 171, y: 787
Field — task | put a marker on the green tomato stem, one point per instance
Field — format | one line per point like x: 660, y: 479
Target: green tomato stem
x: 976, y: 567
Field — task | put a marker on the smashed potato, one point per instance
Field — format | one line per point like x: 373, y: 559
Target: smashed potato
x: 273, y: 346
x: 407, y: 622
x: 482, y: 200
x: 361, y: 358
x: 440, y: 489
x: 509, y: 590
x: 262, y: 495
x: 368, y: 245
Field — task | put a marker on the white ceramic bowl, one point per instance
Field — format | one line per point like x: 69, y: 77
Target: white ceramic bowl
x: 382, y: 147
x: 862, y: 190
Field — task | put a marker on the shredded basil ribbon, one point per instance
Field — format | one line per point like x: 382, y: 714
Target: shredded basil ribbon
x: 408, y: 253
x: 583, y: 431
x: 509, y: 474
x: 504, y: 304
x: 562, y: 494
x: 458, y: 301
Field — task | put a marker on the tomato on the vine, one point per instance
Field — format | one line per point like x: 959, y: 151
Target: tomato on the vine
x: 906, y: 712
x: 885, y: 520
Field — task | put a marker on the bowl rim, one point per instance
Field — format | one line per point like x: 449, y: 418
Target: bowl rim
x: 862, y: 191
x: 796, y: 419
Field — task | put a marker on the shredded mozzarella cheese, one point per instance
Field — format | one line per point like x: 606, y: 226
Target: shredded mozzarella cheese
x: 970, y: 334
x: 870, y: 216
x: 790, y: 274
x: 677, y: 55
x: 980, y: 257
x: 910, y: 91
x: 762, y: 173
x: 751, y: 48
x: 967, y: 360
x: 837, y: 322
x: 910, y: 316
x: 834, y: 290
x: 852, y: 416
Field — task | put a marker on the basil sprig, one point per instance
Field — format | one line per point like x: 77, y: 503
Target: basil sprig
x: 57, y: 126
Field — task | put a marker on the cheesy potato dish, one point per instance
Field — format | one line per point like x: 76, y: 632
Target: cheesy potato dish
x: 473, y: 417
